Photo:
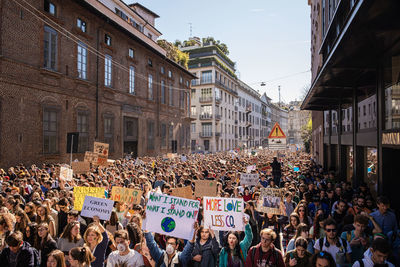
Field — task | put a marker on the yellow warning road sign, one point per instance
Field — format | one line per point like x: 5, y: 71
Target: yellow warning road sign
x: 276, y: 132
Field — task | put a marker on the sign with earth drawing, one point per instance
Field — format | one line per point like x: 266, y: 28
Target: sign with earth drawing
x: 172, y: 216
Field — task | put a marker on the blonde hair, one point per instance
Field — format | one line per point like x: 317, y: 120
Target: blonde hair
x: 269, y: 232
x: 95, y: 229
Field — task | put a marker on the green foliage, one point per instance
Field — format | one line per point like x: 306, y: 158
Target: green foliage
x: 187, y: 43
x: 211, y: 41
x: 210, y: 49
x: 306, y: 135
x: 174, y: 53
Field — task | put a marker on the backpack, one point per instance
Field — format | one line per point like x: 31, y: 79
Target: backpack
x: 36, y: 256
x: 361, y: 263
x: 321, y: 244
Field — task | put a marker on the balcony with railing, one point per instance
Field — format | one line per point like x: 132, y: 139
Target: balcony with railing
x: 205, y: 116
x: 205, y: 99
x: 205, y: 134
x: 206, y: 81
x: 217, y: 134
x: 218, y: 100
x: 248, y: 108
x: 218, y: 117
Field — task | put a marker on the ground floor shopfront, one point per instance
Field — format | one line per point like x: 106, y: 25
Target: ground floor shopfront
x: 355, y: 99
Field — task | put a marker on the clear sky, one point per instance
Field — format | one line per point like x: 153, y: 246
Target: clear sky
x: 268, y: 39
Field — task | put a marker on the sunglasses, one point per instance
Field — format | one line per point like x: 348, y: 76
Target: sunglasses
x: 330, y: 230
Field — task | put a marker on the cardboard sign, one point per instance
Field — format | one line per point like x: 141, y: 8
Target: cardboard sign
x: 249, y: 178
x: 251, y: 168
x: 66, y: 173
x: 270, y: 201
x: 102, y: 150
x: 126, y: 195
x: 172, y: 216
x: 223, y: 214
x: 101, y: 207
x: 80, y: 167
x: 91, y: 157
x: 184, y: 192
x: 81, y: 191
x: 205, y: 188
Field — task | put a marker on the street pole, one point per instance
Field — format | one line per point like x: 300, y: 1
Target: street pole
x: 279, y: 90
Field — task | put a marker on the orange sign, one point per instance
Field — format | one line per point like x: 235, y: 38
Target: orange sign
x: 276, y: 132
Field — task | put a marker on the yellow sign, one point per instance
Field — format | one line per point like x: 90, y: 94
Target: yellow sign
x: 276, y: 132
x: 126, y: 195
x: 80, y: 192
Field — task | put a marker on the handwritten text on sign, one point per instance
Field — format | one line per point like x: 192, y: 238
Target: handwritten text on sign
x: 126, y: 195
x: 81, y: 191
x: 93, y: 206
x: 249, y: 178
x: 169, y: 215
x: 225, y: 214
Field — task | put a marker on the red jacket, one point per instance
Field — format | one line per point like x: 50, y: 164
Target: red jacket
x: 273, y: 255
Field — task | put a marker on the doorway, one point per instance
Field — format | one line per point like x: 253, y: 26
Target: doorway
x: 131, y: 136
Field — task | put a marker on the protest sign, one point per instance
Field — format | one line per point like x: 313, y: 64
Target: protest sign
x: 296, y: 169
x: 80, y: 167
x: 102, y: 150
x: 223, y: 214
x: 100, y: 207
x: 185, y: 192
x: 66, y: 173
x: 222, y: 161
x: 91, y: 157
x: 205, y: 188
x: 249, y: 178
x: 81, y: 191
x: 270, y: 201
x: 126, y: 195
x: 251, y: 168
x: 183, y: 158
x: 172, y: 216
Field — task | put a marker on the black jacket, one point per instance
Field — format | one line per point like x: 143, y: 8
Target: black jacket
x: 25, y: 258
x: 209, y: 253
x: 48, y: 247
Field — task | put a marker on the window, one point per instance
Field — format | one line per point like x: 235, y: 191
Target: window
x: 83, y: 129
x: 163, y: 135
x: 50, y: 48
x: 206, y: 93
x: 171, y: 96
x: 163, y: 93
x: 82, y: 61
x: 206, y: 76
x: 108, y: 132
x: 162, y: 70
x: 132, y: 80
x: 49, y: 7
x: 206, y: 129
x: 81, y: 25
x: 193, y: 127
x: 150, y: 135
x: 50, y: 131
x: 180, y: 80
x: 107, y: 70
x: 193, y: 93
x: 107, y: 39
x: 193, y: 111
x: 151, y: 97
x: 150, y: 62
x: 169, y: 74
x: 206, y: 110
x: 181, y: 99
x: 131, y: 53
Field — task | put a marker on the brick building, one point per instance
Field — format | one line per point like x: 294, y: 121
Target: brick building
x: 92, y: 67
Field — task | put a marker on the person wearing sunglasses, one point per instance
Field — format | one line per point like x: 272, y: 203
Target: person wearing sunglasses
x: 323, y: 259
x: 338, y: 247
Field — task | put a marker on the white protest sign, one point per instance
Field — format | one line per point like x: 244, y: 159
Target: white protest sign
x: 223, y: 214
x: 66, y: 173
x: 222, y: 161
x: 251, y: 168
x: 249, y: 178
x: 183, y: 158
x: 94, y: 206
x: 169, y: 215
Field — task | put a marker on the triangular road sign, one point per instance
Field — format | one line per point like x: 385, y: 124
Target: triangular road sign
x: 276, y: 132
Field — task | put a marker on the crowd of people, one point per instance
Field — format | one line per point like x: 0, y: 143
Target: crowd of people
x: 324, y: 221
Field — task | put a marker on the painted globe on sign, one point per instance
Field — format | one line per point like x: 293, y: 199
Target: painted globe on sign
x: 168, y: 224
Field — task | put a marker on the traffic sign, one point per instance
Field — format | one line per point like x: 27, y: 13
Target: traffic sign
x: 277, y: 132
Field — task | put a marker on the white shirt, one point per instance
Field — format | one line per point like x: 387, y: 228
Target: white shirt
x: 367, y: 260
x: 333, y: 249
x: 132, y: 259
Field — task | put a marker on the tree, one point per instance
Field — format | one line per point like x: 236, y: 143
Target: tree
x: 306, y: 134
x: 174, y: 53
